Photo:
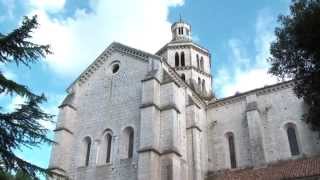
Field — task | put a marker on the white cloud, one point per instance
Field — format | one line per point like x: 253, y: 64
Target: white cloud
x: 238, y: 53
x: 249, y: 72
x: 248, y: 80
x: 48, y: 5
x: 78, y: 40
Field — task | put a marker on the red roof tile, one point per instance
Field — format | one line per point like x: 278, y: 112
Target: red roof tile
x: 290, y: 169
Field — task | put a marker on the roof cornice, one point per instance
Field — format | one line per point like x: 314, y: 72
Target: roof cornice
x: 102, y: 58
x: 182, y: 45
x: 258, y: 92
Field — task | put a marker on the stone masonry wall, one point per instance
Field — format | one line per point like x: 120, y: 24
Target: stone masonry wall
x: 109, y: 101
x: 275, y: 109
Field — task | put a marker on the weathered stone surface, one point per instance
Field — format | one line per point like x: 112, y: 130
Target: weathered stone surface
x: 177, y: 133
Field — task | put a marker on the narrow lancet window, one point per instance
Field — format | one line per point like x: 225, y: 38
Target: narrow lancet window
x: 183, y: 77
x: 232, y: 151
x: 108, y: 143
x: 131, y: 138
x: 182, y: 59
x: 203, y: 85
x: 198, y: 62
x: 293, y: 142
x: 127, y: 143
x: 201, y: 63
x: 87, y: 144
x: 176, y: 58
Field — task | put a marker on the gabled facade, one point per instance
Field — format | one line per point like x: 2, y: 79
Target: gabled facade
x: 139, y: 116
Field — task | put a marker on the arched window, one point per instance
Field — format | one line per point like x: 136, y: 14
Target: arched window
x: 232, y: 151
x: 182, y: 59
x: 176, y: 58
x: 127, y: 142
x: 203, y: 85
x: 201, y: 63
x: 87, y: 148
x: 199, y: 83
x: 131, y: 138
x: 108, y: 139
x: 183, y: 77
x: 104, y: 148
x: 293, y: 142
x: 198, y: 62
x: 180, y: 30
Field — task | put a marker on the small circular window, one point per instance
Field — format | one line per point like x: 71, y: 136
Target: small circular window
x: 115, y: 68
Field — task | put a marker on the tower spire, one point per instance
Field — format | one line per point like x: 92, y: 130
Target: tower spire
x: 180, y: 17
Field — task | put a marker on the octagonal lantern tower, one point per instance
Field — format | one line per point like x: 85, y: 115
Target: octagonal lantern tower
x: 190, y: 60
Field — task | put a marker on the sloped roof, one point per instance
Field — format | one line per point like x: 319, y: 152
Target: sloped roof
x: 291, y: 169
x: 114, y: 46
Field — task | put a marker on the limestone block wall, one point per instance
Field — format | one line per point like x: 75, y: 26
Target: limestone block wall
x: 277, y: 109
x: 221, y: 120
x: 258, y: 120
x: 206, y: 59
x: 108, y: 101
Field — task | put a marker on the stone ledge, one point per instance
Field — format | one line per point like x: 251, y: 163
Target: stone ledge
x: 69, y: 105
x: 151, y: 78
x: 63, y: 129
x: 170, y: 107
x: 150, y: 105
x: 194, y: 127
x: 171, y: 151
x: 149, y: 149
x: 163, y: 108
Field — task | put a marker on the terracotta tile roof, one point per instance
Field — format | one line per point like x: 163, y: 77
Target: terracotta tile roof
x: 292, y: 169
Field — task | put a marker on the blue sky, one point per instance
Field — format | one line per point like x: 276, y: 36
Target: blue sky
x: 237, y: 33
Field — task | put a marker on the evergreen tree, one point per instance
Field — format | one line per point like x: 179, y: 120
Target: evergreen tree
x: 296, y: 54
x: 21, y: 127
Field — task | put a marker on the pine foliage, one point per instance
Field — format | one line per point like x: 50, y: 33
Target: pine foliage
x: 22, y: 127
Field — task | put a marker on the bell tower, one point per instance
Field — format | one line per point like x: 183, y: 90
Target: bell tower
x: 190, y: 60
x: 181, y: 31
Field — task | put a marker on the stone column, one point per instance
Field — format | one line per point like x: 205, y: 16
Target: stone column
x: 60, y: 160
x: 149, y: 152
x: 170, y: 136
x: 193, y: 134
x: 255, y: 132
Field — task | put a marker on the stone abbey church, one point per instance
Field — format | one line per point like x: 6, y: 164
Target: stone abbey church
x: 133, y: 115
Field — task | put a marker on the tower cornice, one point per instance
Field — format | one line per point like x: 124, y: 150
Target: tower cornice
x: 183, y: 45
